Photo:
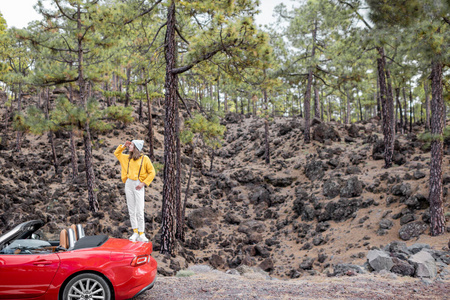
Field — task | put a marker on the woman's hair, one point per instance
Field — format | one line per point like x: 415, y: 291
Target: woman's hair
x: 135, y: 154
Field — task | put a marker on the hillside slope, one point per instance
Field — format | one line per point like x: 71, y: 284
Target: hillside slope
x: 314, y: 207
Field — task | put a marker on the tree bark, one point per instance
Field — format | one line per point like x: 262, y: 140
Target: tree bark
x: 347, y: 114
x: 171, y: 85
x: 73, y: 151
x: 266, y: 129
x: 316, y: 103
x: 19, y: 110
x: 90, y: 176
x: 386, y: 108
x: 150, y: 125
x: 437, y: 151
x: 399, y: 106
x: 127, y: 87
x: 50, y: 134
x: 307, y: 107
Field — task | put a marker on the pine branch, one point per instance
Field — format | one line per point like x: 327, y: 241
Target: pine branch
x: 357, y: 13
x: 446, y: 20
x: 156, y: 35
x: 181, y: 36
x: 63, y: 13
x: 143, y: 13
x: 195, y: 62
x: 187, y: 108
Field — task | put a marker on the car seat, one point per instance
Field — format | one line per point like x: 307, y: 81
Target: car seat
x: 80, y: 231
x: 71, y: 238
x: 63, y: 239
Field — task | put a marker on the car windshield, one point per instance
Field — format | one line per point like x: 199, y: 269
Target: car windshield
x: 29, y: 237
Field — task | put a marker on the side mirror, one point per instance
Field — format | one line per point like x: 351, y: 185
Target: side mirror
x: 35, y: 236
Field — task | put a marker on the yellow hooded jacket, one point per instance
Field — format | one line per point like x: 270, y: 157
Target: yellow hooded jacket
x: 147, y: 171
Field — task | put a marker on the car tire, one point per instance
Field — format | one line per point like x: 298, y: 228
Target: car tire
x: 85, y: 286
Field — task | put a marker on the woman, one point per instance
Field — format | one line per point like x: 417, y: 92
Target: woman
x: 137, y: 171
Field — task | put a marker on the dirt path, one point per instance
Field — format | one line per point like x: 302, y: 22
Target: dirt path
x: 224, y: 286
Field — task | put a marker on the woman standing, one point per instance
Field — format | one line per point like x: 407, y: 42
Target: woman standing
x: 137, y: 171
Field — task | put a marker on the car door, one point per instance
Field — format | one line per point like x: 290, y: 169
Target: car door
x: 26, y: 275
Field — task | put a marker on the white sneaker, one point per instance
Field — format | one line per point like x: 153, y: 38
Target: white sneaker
x: 134, y: 237
x: 142, y: 238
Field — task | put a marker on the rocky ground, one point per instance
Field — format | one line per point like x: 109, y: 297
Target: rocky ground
x: 314, y: 210
x: 208, y: 284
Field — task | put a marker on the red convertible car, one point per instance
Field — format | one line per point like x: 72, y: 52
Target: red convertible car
x: 75, y: 267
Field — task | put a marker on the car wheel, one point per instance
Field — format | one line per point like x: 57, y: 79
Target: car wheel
x: 87, y: 286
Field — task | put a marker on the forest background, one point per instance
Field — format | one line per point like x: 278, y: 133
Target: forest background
x: 333, y: 61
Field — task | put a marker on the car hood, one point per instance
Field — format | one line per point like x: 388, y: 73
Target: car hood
x: 21, y: 231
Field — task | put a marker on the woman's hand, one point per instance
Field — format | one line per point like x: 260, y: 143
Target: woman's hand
x: 127, y: 143
x: 140, y: 186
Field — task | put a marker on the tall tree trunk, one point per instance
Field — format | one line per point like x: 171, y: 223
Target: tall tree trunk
x: 378, y: 95
x: 180, y: 234
x: 360, y: 109
x: 90, y: 176
x: 307, y: 107
x: 127, y: 87
x: 19, y: 110
x: 150, y: 125
x: 386, y: 109
x: 316, y: 103
x: 437, y: 151
x: 73, y: 151
x: 50, y: 134
x: 411, y: 113
x: 218, y: 90
x: 266, y: 129
x: 399, y: 106
x: 225, y: 103
x: 405, y: 123
x: 348, y: 110
x: 170, y: 148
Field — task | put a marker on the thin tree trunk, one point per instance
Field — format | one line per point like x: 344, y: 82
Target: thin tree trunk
x: 19, y: 110
x: 170, y: 148
x: 378, y: 95
x: 73, y: 151
x: 266, y: 129
x: 180, y: 234
x: 150, y: 124
x: 307, y: 107
x: 127, y: 87
x: 410, y: 111
x: 385, y: 107
x: 405, y: 123
x: 225, y: 103
x: 90, y: 176
x: 50, y: 134
x: 348, y: 110
x: 399, y: 106
x: 316, y: 103
x: 437, y: 151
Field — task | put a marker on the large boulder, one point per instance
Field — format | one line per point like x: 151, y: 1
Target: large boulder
x: 322, y: 132
x: 352, y: 188
x: 379, y: 260
x: 251, y: 226
x: 279, y: 181
x: 411, y: 230
x: 332, y: 187
x: 315, y: 170
x: 424, y: 264
x: 201, y: 217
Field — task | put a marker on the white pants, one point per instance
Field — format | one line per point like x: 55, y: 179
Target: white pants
x: 135, y: 203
